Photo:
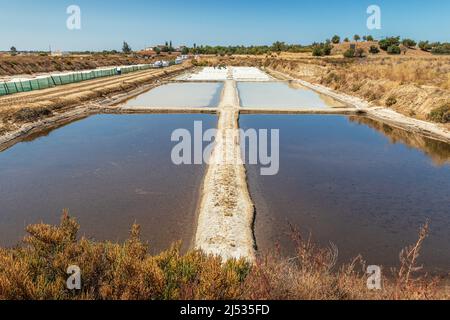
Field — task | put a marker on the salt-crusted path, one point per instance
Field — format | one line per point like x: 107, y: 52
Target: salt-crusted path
x: 226, y: 214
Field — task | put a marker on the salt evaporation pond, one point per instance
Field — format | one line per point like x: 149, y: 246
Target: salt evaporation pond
x: 178, y: 95
x: 282, y: 95
x: 109, y: 171
x: 357, y: 183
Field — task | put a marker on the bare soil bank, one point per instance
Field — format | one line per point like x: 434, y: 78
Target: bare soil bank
x: 21, y: 113
x: 27, y: 65
x: 412, y: 86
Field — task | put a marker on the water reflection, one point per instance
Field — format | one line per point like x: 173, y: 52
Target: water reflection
x: 348, y: 184
x: 437, y: 151
x: 282, y: 95
x: 109, y: 171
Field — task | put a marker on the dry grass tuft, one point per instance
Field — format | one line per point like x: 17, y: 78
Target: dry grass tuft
x: 110, y: 271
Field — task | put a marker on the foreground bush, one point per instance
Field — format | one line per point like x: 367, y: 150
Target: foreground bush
x: 127, y: 271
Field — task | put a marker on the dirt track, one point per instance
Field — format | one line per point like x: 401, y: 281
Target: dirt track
x: 15, y: 100
x: 28, y: 107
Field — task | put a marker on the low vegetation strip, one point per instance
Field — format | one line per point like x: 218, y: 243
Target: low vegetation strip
x: 37, y: 270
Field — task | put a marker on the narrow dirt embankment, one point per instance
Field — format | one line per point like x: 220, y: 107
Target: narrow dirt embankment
x: 226, y: 214
x: 21, y: 65
x: 28, y: 111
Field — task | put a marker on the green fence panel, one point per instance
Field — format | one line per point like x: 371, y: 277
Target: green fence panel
x: 19, y: 86
x: 3, y: 90
x: 87, y: 75
x: 11, y: 87
x: 66, y: 79
x: 56, y: 80
x: 43, y: 83
x: 62, y: 79
x: 34, y: 84
x: 26, y: 85
x: 50, y: 82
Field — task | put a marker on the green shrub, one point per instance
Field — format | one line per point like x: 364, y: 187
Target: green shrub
x: 409, y: 43
x: 323, y: 49
x: 350, y: 53
x: 374, y: 50
x: 391, y: 101
x: 394, y: 50
x: 441, y: 49
x: 336, y: 39
x: 441, y: 114
x: 425, y: 46
x: 317, y: 52
x: 388, y: 42
x: 327, y: 49
x: 36, y: 270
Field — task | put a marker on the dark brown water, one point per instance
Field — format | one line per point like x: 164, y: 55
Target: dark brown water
x: 362, y: 185
x: 109, y: 171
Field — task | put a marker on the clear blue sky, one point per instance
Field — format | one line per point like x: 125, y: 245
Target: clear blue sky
x: 31, y: 24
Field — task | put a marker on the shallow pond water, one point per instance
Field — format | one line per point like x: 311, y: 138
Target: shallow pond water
x: 359, y: 184
x: 109, y: 171
x: 282, y: 95
x: 177, y: 95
